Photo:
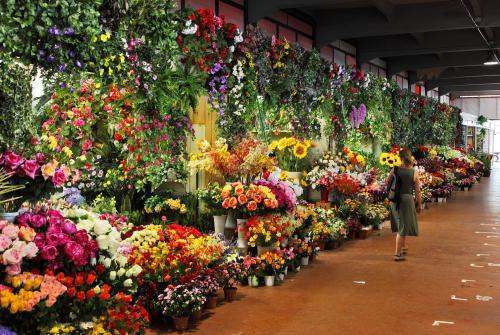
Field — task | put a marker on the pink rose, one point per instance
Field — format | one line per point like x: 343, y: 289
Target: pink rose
x: 12, y: 160
x: 59, y: 177
x: 40, y: 158
x: 11, y: 231
x: 38, y: 220
x: 5, y: 242
x: 69, y: 227
x: 87, y: 145
x: 3, y: 223
x: 24, y: 219
x: 30, y: 250
x: 49, y: 252
x: 12, y: 256
x: 13, y: 269
x: 75, y: 252
x: 30, y: 167
x: 78, y: 123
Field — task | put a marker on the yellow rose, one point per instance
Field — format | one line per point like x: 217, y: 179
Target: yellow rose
x: 52, y: 142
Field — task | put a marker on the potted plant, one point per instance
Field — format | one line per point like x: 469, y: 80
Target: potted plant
x: 272, y: 263
x: 229, y: 275
x: 179, y: 302
x: 5, y: 203
x: 209, y: 285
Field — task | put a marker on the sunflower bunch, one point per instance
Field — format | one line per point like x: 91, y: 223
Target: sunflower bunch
x: 291, y: 152
x: 389, y: 159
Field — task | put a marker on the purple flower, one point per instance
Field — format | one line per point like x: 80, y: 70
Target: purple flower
x: 54, y: 31
x: 357, y: 116
x: 62, y: 84
x: 68, y: 31
x: 78, y: 64
x: 72, y: 53
x: 6, y: 331
x: 50, y: 58
x: 62, y: 67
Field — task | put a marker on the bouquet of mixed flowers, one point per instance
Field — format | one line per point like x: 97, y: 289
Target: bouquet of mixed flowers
x: 181, y: 300
x: 285, y: 191
x: 272, y: 263
x: 211, y: 196
x: 248, y: 200
x: 267, y: 230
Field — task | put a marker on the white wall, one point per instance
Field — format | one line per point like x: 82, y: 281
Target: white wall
x: 489, y: 107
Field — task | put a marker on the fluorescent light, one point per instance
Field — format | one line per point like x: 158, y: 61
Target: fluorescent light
x: 479, y: 96
x: 492, y: 59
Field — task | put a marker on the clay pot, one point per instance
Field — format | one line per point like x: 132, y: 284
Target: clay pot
x: 196, y: 316
x: 211, y: 301
x: 230, y: 293
x: 181, y: 323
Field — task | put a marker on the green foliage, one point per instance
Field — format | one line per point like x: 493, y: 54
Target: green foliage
x: 17, y: 117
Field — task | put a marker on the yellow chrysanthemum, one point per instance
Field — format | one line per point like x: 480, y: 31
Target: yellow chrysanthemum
x: 273, y: 145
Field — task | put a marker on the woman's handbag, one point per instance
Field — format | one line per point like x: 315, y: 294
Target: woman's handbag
x: 393, y: 187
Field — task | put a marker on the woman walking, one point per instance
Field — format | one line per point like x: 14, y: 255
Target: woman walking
x: 403, y: 211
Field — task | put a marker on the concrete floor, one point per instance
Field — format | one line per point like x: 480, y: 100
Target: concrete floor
x: 398, y: 298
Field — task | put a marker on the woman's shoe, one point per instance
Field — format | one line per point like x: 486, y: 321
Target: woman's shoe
x: 399, y: 258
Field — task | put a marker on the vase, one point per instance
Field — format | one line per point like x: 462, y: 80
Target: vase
x: 230, y: 221
x: 230, y: 293
x: 242, y: 228
x: 181, y: 323
x: 304, y: 261
x: 297, y: 269
x: 196, y: 316
x: 9, y: 217
x: 211, y: 301
x: 286, y: 271
x: 269, y: 280
x: 295, y: 176
x: 253, y: 281
x: 440, y: 200
x: 281, y: 276
x: 262, y: 250
x: 219, y: 224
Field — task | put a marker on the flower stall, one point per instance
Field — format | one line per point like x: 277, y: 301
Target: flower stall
x: 99, y: 233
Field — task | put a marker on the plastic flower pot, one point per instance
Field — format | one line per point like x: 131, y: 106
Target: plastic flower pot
x: 253, y: 281
x: 219, y: 223
x: 181, y: 323
x: 211, y: 301
x: 230, y: 293
x: 304, y: 261
x: 196, y: 316
x: 269, y: 280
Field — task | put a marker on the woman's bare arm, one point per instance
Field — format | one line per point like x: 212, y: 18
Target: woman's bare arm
x: 418, y: 191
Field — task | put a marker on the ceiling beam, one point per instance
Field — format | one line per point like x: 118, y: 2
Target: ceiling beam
x: 457, y: 94
x: 404, y: 63
x: 433, y: 83
x: 476, y: 88
x: 411, y: 18
x: 369, y: 48
x: 470, y: 72
x: 385, y: 7
x: 258, y: 9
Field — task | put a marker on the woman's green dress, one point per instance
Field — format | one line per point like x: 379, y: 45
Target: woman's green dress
x: 403, y: 211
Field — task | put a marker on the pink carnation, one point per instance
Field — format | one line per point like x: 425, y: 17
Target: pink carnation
x: 30, y: 167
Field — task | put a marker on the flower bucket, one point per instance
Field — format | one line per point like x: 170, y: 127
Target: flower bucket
x: 196, y: 316
x: 242, y: 227
x: 304, y: 261
x: 269, y: 280
x: 297, y: 269
x: 211, y: 301
x: 262, y: 250
x: 219, y: 223
x: 181, y: 323
x: 9, y: 217
x: 286, y: 271
x: 230, y: 221
x: 230, y: 293
x: 253, y: 281
x: 281, y: 276
x: 440, y: 200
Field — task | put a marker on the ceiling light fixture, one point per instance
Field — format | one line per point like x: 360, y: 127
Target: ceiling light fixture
x: 492, y: 59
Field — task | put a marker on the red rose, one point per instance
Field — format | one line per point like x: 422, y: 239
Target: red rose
x: 80, y: 295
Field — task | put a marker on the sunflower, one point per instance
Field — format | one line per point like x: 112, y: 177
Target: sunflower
x: 273, y: 145
x: 282, y: 143
x: 383, y: 158
x: 300, y: 150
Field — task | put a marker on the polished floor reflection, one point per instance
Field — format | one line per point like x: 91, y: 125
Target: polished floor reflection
x: 398, y: 298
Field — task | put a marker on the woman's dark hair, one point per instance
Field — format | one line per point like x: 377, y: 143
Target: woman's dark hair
x: 406, y: 156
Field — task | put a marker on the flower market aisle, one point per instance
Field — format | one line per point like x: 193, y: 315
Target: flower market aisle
x: 397, y: 298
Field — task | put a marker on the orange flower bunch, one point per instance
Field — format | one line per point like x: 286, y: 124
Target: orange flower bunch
x: 248, y: 198
x: 272, y: 263
x: 268, y: 230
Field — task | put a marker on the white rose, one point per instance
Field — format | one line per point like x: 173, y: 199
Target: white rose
x: 121, y: 260
x: 128, y: 283
x: 97, y: 289
x: 121, y: 272
x: 102, y: 242
x: 128, y: 273
x: 101, y: 227
x: 136, y: 270
x: 112, y: 275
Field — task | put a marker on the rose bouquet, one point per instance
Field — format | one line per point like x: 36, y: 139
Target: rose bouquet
x: 16, y: 244
x: 248, y: 200
x: 59, y: 240
x: 285, y: 191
